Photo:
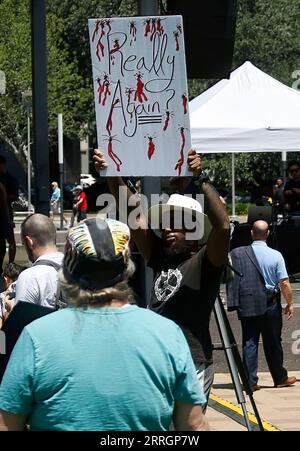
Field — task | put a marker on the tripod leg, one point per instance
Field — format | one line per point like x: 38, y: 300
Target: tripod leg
x: 234, y: 362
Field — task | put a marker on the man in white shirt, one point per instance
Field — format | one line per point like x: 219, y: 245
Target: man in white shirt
x: 38, y: 284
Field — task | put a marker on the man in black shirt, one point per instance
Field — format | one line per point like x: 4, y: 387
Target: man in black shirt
x: 292, y: 187
x: 11, y: 186
x: 186, y: 278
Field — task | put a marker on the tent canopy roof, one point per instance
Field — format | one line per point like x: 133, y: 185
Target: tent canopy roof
x: 249, y: 112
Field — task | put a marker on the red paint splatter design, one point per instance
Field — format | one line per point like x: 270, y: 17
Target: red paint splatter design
x: 176, y: 36
x: 100, y: 90
x: 139, y: 92
x: 147, y: 27
x: 108, y: 23
x: 167, y: 119
x: 100, y: 45
x: 153, y: 28
x: 159, y: 27
x: 112, y: 154
x: 115, y: 48
x: 96, y: 29
x: 151, y: 147
x: 132, y: 31
x: 128, y: 93
x: 181, y: 157
x: 106, y: 84
x: 109, y: 123
x: 184, y: 103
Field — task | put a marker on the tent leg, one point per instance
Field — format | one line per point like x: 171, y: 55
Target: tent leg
x: 283, y: 164
x: 233, y: 215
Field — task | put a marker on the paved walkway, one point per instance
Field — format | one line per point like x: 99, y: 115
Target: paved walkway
x: 279, y: 407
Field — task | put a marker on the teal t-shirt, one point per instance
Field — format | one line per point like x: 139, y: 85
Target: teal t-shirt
x: 100, y: 369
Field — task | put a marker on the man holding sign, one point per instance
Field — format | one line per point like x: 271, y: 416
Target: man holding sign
x: 140, y: 90
x: 187, y: 272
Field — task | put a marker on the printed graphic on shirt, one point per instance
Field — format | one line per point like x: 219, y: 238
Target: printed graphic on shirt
x: 167, y: 284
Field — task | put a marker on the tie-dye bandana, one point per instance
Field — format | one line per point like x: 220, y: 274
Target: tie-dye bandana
x: 94, y: 253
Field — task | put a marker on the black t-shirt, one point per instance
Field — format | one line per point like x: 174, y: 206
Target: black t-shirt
x: 185, y: 290
x: 294, y: 199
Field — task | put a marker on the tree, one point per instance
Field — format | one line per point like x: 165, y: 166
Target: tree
x: 268, y: 35
x: 70, y: 85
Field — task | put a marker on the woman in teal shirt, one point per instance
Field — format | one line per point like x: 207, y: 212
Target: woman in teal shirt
x: 102, y: 363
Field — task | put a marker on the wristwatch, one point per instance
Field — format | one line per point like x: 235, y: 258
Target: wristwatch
x: 203, y: 177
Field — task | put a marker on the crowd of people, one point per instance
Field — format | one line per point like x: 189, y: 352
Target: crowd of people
x: 59, y: 375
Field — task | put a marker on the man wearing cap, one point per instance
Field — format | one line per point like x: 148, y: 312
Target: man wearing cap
x: 77, y: 369
x: 81, y: 203
x: 186, y: 279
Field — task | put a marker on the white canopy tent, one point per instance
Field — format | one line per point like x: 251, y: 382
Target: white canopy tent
x: 250, y: 112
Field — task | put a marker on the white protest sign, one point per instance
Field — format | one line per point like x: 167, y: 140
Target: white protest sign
x: 141, y: 98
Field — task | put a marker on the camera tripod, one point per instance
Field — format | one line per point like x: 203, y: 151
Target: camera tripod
x: 235, y: 364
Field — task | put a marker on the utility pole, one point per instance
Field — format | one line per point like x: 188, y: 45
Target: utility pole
x: 40, y: 106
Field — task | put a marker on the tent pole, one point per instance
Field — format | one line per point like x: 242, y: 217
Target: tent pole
x: 233, y: 185
x: 283, y: 164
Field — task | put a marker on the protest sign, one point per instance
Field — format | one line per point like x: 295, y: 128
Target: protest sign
x: 141, y: 98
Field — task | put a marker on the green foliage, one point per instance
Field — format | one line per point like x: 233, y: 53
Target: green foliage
x: 70, y: 86
x: 15, y: 50
x: 241, y: 208
x: 268, y: 35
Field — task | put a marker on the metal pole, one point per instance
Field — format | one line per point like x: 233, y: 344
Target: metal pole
x: 28, y: 163
x: 233, y: 184
x: 40, y: 106
x: 283, y: 164
x: 148, y: 7
x: 61, y: 167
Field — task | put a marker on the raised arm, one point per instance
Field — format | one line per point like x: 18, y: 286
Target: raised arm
x: 218, y: 241
x: 140, y: 231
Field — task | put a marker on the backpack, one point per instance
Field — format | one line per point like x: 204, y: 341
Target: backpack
x: 59, y: 299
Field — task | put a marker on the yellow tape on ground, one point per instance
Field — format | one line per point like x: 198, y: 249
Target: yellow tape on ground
x: 267, y: 426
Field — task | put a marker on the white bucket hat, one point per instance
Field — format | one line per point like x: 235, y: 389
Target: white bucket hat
x: 191, y: 209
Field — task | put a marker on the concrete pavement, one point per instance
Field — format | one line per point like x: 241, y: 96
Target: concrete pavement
x: 278, y: 407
